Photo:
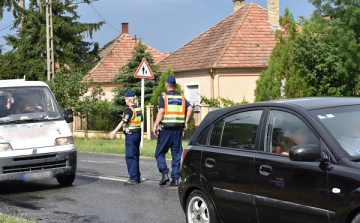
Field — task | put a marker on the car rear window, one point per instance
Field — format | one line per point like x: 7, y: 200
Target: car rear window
x: 237, y: 131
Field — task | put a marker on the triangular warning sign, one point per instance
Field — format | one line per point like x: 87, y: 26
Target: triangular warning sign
x: 144, y: 70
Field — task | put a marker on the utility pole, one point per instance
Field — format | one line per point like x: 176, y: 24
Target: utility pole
x: 22, y: 5
x: 49, y: 41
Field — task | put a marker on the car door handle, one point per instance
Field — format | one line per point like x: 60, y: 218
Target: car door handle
x: 209, y: 162
x: 265, y: 170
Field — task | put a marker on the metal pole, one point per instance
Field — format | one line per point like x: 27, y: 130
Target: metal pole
x: 142, y: 109
x: 49, y: 41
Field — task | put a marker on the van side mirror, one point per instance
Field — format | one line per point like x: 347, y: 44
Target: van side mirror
x: 68, y: 115
x: 307, y: 152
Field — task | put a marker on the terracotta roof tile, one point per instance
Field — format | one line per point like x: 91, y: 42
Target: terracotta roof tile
x: 115, y: 54
x: 243, y: 39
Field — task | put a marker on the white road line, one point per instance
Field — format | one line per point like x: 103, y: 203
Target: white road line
x: 101, y: 177
x: 102, y: 162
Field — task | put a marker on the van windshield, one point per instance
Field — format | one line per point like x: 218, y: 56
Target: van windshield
x: 344, y: 124
x: 20, y: 104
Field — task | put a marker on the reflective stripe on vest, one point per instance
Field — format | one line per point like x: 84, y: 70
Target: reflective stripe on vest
x: 174, y: 110
x: 135, y: 121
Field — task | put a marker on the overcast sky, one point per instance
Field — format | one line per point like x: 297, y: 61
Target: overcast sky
x: 165, y: 25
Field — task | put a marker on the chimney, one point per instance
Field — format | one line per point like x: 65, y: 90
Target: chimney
x: 238, y: 4
x: 125, y: 27
x: 273, y: 13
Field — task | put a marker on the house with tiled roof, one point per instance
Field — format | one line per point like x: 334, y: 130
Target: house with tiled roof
x: 114, y: 55
x: 226, y: 60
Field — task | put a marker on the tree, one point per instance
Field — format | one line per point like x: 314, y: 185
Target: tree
x: 71, y: 91
x: 125, y: 78
x: 5, y: 4
x: 28, y: 56
x: 345, y: 14
x: 318, y: 67
x: 322, y: 60
x: 328, y: 51
x: 272, y: 80
x: 161, y: 87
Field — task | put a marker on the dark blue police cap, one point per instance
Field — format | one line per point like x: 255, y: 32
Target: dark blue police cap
x: 130, y: 94
x: 171, y: 80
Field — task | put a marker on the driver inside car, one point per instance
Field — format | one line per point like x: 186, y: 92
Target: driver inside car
x: 299, y: 136
x: 29, y: 103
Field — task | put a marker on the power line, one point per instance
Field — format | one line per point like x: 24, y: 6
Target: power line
x: 83, y: 1
x: 7, y: 26
x: 104, y: 19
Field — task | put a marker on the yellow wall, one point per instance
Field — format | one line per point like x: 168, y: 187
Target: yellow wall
x: 226, y: 83
x: 203, y: 79
x: 236, y: 86
x: 107, y: 88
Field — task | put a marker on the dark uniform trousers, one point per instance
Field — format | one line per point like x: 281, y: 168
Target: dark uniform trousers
x: 132, y: 153
x: 169, y: 138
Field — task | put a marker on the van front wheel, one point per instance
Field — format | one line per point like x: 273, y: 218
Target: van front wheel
x: 66, y: 180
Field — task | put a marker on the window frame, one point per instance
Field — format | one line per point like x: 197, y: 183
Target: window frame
x: 296, y: 114
x: 187, y: 94
x: 209, y: 131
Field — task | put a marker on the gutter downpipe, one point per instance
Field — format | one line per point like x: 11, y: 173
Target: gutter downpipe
x: 212, y: 82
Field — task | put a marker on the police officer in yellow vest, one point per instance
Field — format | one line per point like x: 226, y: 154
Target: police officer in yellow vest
x: 131, y: 124
x: 173, y: 117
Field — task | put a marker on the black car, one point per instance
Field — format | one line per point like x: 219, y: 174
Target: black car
x: 295, y: 160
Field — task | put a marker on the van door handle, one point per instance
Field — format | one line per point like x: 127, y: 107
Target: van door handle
x: 265, y: 170
x: 209, y: 162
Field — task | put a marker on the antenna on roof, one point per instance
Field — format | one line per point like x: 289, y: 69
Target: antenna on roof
x: 269, y: 98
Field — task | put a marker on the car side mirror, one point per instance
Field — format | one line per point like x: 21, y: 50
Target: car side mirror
x: 68, y: 115
x: 306, y: 152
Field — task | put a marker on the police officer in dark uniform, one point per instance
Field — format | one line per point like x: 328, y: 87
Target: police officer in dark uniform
x: 171, y: 120
x: 131, y: 124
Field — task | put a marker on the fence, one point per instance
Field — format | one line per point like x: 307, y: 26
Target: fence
x: 100, y: 124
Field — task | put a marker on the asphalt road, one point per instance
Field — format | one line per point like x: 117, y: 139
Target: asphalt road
x: 97, y: 195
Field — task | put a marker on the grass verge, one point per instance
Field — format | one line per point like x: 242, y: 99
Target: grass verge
x: 13, y: 219
x: 115, y: 146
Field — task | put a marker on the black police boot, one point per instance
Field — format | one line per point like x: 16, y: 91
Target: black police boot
x: 164, y: 178
x: 174, y: 183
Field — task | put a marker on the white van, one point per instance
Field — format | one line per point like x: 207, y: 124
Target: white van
x: 35, y: 140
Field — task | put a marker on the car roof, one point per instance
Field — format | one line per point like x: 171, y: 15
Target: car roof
x: 307, y: 103
x: 20, y: 83
x: 311, y: 103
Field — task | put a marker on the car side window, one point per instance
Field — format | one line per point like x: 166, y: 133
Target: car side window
x: 237, y: 130
x: 285, y: 130
x: 215, y: 138
x: 240, y: 130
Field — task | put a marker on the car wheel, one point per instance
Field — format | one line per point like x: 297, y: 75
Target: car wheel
x: 356, y: 219
x: 66, y: 180
x: 199, y: 209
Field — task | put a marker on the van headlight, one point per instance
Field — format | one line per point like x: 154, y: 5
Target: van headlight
x: 64, y: 141
x: 5, y: 147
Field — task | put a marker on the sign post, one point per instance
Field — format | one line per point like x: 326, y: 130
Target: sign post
x: 143, y: 72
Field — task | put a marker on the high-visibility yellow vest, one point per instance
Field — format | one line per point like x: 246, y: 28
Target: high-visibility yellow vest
x: 174, y: 110
x: 135, y: 121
